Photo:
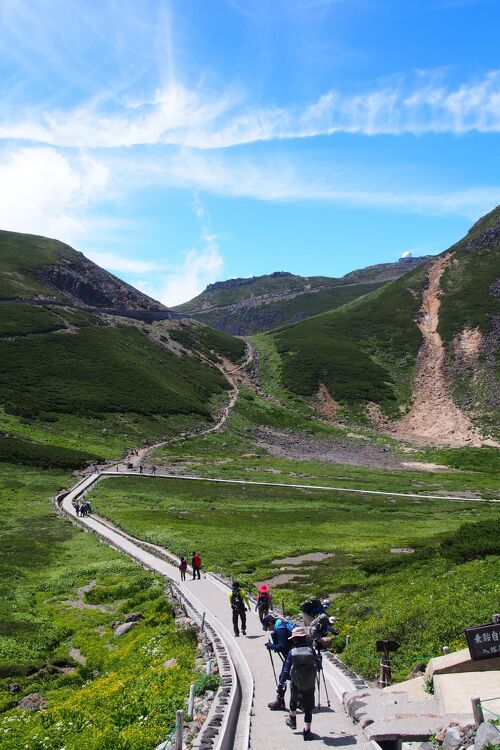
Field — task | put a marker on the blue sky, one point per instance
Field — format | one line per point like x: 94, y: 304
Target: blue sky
x: 181, y: 142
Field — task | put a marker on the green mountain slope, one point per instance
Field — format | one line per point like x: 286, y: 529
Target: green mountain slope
x: 39, y: 267
x: 253, y: 305
x: 367, y: 350
x: 77, y: 386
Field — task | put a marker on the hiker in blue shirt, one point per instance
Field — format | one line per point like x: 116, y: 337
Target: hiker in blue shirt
x: 281, y: 631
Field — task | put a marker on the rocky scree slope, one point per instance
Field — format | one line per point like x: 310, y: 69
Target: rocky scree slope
x: 371, y: 353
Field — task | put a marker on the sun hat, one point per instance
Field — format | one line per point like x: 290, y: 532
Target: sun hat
x: 263, y: 588
x: 326, y: 603
x: 298, y: 633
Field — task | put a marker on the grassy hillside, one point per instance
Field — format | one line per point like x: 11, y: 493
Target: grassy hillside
x: 22, y: 256
x: 60, y: 592
x: 366, y: 350
x: 102, y: 369
x: 197, y: 337
x: 378, y: 594
x: 471, y: 297
x: 359, y: 351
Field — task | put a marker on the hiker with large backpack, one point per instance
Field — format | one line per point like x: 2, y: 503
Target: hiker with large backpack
x: 280, y: 630
x: 311, y: 608
x: 239, y: 604
x: 264, y: 601
x: 320, y: 629
x: 301, y: 668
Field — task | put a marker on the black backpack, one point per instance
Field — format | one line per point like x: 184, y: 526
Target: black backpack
x: 304, y: 668
x: 237, y: 600
x: 263, y: 600
x: 310, y: 606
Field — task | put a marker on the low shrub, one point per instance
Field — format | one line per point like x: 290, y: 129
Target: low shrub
x: 472, y: 541
x: 206, y: 682
x: 16, y: 451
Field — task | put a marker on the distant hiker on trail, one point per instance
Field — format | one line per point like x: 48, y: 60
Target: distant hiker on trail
x: 183, y: 567
x: 311, y: 608
x: 196, y: 565
x: 280, y: 630
x: 301, y: 668
x: 77, y: 508
x: 264, y: 601
x: 239, y: 603
x: 153, y: 471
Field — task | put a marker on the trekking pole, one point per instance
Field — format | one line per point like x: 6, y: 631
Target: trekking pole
x: 326, y: 690
x: 319, y: 691
x: 272, y: 664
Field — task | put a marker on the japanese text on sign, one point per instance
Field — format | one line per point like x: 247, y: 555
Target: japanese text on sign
x: 483, y: 641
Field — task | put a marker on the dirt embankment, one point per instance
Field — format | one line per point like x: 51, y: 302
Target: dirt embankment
x: 434, y: 417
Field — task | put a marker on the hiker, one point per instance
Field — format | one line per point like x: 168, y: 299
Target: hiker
x: 77, y: 508
x: 183, y: 567
x: 140, y: 468
x: 319, y: 630
x: 281, y: 631
x: 301, y: 668
x: 196, y: 565
x: 311, y: 608
x: 239, y: 603
x: 264, y: 601
x: 153, y: 471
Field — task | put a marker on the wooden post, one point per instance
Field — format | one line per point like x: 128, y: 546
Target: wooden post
x: 477, y: 711
x: 179, y: 728
x: 446, y: 649
x: 209, y: 666
x: 203, y: 621
x: 191, y: 702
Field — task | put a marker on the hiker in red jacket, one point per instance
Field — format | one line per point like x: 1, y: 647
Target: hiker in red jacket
x: 196, y: 564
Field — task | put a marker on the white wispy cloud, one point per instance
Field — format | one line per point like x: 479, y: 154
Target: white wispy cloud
x: 120, y: 263
x: 178, y: 115
x: 44, y: 192
x: 199, y: 267
x: 288, y: 181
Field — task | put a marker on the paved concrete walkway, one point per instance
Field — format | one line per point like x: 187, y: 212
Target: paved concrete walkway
x: 332, y: 727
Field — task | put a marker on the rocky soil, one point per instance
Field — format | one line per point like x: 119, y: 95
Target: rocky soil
x: 341, y: 450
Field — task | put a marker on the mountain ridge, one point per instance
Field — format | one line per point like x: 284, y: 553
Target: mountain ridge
x: 244, y: 306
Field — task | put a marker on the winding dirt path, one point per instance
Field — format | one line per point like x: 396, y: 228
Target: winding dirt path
x: 230, y: 372
x: 434, y: 416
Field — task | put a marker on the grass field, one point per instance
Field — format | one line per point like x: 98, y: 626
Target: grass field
x: 377, y: 593
x: 121, y: 698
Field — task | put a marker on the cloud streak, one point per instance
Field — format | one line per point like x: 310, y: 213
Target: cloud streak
x: 177, y: 115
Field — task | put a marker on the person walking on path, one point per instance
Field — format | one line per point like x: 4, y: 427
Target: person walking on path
x: 301, y: 668
x: 264, y: 601
x: 183, y: 567
x: 239, y: 603
x: 280, y: 630
x: 196, y: 565
x: 153, y: 471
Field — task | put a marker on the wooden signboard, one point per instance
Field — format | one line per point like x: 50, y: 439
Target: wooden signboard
x: 483, y: 641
